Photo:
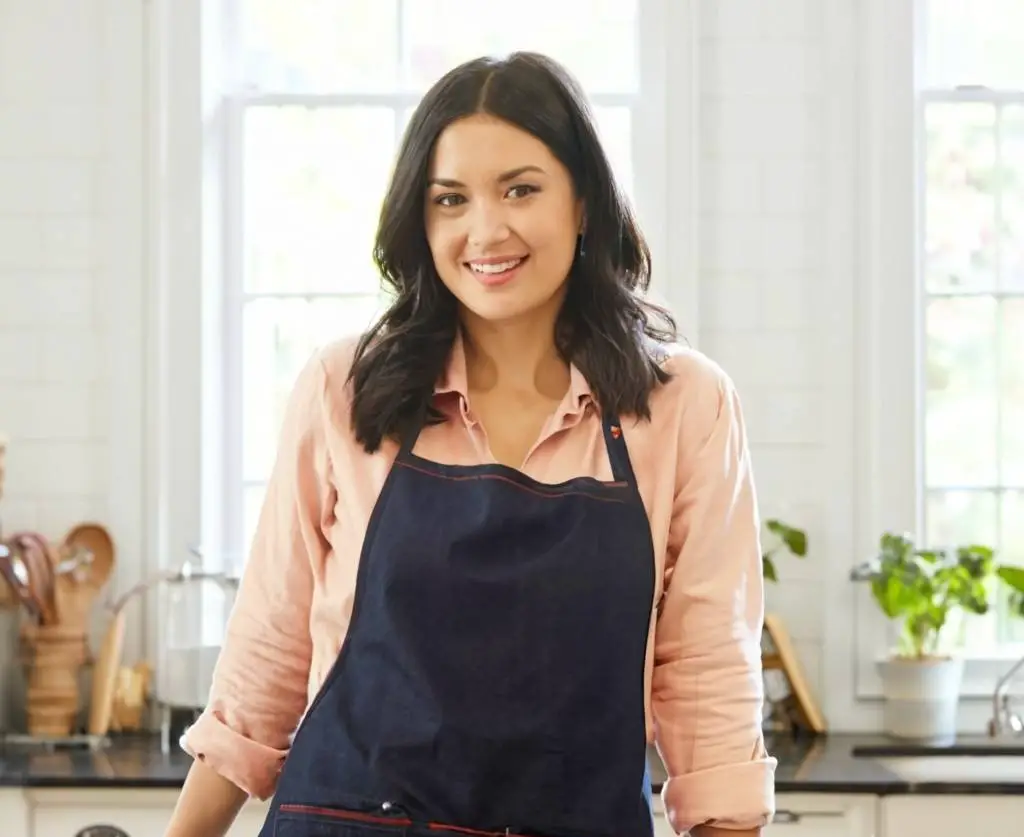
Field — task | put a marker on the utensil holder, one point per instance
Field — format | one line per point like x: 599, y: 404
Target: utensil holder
x: 55, y: 657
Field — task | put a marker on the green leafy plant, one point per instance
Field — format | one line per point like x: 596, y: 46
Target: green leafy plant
x: 921, y: 588
x: 786, y: 537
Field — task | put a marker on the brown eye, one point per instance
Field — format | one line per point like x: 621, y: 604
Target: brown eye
x: 451, y: 199
x: 522, y: 191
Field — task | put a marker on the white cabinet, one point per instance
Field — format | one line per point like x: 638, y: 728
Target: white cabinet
x: 43, y: 812
x: 137, y: 812
x: 807, y: 815
x: 14, y: 813
x: 915, y: 815
x: 661, y: 826
x: 824, y: 815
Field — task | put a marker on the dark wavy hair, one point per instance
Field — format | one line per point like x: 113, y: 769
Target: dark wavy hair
x: 605, y: 327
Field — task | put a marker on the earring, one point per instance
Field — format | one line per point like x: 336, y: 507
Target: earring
x: 582, y: 252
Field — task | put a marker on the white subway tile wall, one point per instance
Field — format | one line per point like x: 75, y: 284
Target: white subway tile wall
x: 53, y: 373
x: 762, y: 228
x: 761, y: 232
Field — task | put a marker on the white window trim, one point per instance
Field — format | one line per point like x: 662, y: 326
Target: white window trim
x: 184, y: 301
x: 188, y: 163
x: 123, y: 247
x: 872, y: 190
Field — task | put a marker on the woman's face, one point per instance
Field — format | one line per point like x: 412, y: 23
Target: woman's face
x: 502, y: 220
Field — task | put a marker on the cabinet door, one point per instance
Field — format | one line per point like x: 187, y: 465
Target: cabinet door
x: 915, y: 815
x: 807, y: 815
x: 819, y: 815
x: 69, y: 822
x: 14, y: 813
x: 661, y: 825
x: 66, y: 812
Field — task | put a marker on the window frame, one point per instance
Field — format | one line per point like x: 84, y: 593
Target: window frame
x: 890, y: 481
x: 195, y: 172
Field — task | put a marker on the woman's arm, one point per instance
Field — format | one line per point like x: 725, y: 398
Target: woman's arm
x: 708, y: 690
x: 260, y: 684
x: 207, y: 806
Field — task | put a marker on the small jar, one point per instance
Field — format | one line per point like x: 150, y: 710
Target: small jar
x: 194, y: 609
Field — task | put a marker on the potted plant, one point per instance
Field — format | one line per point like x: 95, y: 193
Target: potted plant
x: 786, y: 537
x: 928, y: 593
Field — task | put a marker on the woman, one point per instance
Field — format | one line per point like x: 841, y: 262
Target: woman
x: 511, y: 534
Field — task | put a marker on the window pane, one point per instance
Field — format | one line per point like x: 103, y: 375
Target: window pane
x: 595, y: 39
x: 974, y: 43
x: 1012, y: 391
x: 321, y: 46
x: 960, y: 214
x: 1012, y: 185
x: 314, y: 183
x: 961, y: 406
x: 955, y: 518
x: 615, y: 126
x: 1012, y: 536
x: 279, y: 336
x: 1012, y: 550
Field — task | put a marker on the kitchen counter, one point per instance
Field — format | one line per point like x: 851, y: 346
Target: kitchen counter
x: 823, y: 765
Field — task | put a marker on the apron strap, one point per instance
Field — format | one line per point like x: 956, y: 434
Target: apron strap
x: 615, y: 442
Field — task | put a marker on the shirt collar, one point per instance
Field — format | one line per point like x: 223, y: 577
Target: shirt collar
x: 454, y: 379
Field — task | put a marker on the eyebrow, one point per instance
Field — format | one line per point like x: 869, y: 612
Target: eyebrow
x: 504, y: 177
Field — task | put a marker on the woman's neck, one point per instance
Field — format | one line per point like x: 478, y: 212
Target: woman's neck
x: 514, y: 357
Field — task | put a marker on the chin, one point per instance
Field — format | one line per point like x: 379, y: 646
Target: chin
x: 501, y: 310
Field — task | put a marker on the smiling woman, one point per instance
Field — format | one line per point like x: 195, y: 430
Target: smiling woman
x: 513, y: 171
x: 510, y: 535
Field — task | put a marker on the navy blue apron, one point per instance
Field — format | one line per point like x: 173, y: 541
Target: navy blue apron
x: 492, y: 677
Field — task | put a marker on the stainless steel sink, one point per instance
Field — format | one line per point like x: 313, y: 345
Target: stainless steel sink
x: 968, y: 761
x: 959, y: 769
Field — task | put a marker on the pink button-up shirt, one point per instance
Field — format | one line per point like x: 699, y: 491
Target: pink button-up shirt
x: 703, y: 679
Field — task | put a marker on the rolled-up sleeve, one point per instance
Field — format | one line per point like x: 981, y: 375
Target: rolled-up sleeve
x: 260, y: 684
x: 708, y: 692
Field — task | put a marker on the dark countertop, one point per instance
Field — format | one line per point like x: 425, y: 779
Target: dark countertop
x: 823, y: 765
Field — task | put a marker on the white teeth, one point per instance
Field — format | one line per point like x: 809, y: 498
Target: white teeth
x: 495, y: 268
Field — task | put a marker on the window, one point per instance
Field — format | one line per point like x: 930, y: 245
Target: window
x: 971, y: 260
x: 323, y: 91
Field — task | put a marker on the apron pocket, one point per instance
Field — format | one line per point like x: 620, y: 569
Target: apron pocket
x: 317, y: 821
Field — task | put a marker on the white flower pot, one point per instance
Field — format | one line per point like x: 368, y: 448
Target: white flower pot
x: 921, y: 698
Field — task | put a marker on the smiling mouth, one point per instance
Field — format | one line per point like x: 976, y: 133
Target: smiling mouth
x: 496, y: 273
x: 496, y: 268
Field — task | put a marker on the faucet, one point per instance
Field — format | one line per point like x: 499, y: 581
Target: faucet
x: 1004, y: 720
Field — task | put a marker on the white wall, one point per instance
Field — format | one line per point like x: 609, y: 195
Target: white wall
x: 763, y: 148
x: 71, y: 205
x: 72, y: 148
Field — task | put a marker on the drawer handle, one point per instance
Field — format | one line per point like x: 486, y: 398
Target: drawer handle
x: 786, y: 817
x: 102, y: 831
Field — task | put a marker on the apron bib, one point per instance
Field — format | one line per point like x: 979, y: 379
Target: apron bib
x: 492, y: 677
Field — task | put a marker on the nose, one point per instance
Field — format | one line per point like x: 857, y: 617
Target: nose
x: 487, y: 223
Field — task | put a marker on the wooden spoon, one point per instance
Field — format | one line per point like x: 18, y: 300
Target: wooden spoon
x: 96, y: 539
x: 76, y: 591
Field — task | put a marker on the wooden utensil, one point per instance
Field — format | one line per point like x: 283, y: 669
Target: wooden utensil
x: 104, y: 676
x: 97, y: 540
x: 76, y: 592
x: 13, y: 582
x: 36, y: 556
